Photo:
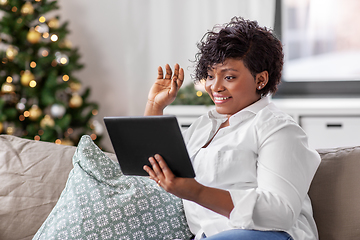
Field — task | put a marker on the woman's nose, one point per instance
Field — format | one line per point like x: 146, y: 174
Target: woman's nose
x: 217, y: 85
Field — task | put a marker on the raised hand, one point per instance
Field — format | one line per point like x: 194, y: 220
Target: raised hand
x: 164, y: 90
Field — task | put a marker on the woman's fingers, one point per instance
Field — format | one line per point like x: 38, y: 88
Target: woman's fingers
x: 159, y: 170
x: 150, y: 172
x: 180, y: 78
x: 166, y: 172
x: 176, y: 71
x: 168, y: 72
x: 160, y: 73
x: 156, y: 168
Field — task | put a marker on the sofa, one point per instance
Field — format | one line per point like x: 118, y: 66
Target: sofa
x: 42, y: 185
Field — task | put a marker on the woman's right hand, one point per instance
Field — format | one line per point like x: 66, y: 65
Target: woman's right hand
x: 164, y: 90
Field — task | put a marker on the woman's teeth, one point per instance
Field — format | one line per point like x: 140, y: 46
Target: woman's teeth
x: 221, y: 98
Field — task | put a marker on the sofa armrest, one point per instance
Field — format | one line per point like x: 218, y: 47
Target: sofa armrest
x: 335, y: 193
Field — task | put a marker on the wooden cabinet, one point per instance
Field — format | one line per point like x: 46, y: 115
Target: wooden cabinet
x: 329, y: 122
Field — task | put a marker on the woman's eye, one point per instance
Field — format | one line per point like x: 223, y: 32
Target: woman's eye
x: 209, y: 77
x: 229, y: 77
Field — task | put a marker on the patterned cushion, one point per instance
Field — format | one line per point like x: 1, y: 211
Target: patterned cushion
x: 99, y: 202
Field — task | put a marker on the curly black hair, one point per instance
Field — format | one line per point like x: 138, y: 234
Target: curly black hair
x: 256, y: 46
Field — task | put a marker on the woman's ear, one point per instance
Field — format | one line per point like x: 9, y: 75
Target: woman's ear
x: 261, y: 80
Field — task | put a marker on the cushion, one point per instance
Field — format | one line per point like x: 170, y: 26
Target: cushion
x: 32, y: 176
x: 99, y: 202
x: 335, y: 194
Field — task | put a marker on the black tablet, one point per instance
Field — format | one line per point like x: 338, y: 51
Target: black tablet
x: 135, y: 139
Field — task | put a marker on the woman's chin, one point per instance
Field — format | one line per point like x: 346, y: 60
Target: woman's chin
x: 222, y: 110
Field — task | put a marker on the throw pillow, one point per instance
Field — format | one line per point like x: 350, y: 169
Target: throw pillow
x: 99, y: 202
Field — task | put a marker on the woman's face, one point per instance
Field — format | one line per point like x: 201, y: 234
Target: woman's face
x: 231, y: 86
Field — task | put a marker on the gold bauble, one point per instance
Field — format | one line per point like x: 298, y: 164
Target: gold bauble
x: 53, y: 23
x: 10, y: 130
x: 1, y: 127
x: 75, y: 86
x: 67, y: 142
x: 66, y: 43
x: 33, y: 36
x: 3, y: 2
x: 27, y: 8
x: 75, y: 101
x: 11, y: 53
x: 26, y: 78
x: 7, y: 87
x: 47, y: 121
x: 35, y: 113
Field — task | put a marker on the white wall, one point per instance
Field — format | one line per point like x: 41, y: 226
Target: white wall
x: 122, y: 42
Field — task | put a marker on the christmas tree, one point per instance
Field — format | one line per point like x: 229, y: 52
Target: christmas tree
x: 40, y: 97
x: 193, y: 94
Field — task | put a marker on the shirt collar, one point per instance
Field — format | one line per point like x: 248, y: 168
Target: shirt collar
x: 242, y: 114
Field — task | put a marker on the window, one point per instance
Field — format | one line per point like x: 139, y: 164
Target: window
x: 321, y: 41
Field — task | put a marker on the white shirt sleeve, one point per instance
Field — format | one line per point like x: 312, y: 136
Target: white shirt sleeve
x: 285, y: 170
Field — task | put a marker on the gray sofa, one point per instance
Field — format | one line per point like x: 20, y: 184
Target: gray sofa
x: 33, y: 174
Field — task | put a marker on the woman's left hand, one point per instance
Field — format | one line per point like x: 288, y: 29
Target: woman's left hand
x: 217, y: 200
x: 186, y: 188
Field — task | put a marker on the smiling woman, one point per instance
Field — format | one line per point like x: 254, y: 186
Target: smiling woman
x: 252, y: 162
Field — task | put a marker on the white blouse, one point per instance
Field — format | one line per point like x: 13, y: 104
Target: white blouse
x: 263, y: 159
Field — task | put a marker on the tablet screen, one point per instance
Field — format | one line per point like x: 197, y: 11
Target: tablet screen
x: 135, y: 139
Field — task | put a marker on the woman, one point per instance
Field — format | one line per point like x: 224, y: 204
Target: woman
x: 252, y: 162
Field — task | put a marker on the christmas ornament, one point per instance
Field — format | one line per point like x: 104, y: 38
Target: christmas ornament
x: 53, y: 23
x: 65, y: 44
x: 27, y: 8
x: 11, y: 52
x: 57, y: 110
x: 20, y: 106
x: 1, y: 127
x: 43, y: 51
x: 35, y: 112
x: 42, y: 28
x: 75, y: 86
x: 75, y: 101
x: 61, y: 58
x: 97, y: 127
x: 7, y: 87
x: 47, y: 121
x: 26, y: 78
x: 10, y: 130
x: 33, y: 36
x: 66, y: 141
x: 3, y: 3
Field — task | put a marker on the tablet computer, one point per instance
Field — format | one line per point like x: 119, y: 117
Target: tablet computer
x: 135, y: 139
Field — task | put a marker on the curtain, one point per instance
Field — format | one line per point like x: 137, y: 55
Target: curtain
x: 122, y: 42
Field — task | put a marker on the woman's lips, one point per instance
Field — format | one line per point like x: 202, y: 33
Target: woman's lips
x: 220, y: 100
